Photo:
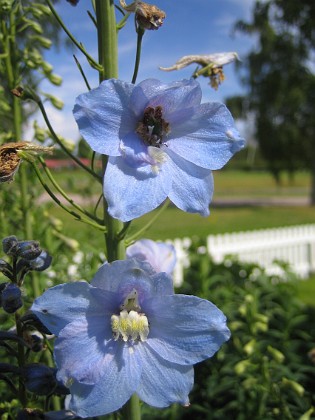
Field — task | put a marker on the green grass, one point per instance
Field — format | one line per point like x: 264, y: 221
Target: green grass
x: 175, y: 223
x: 231, y: 183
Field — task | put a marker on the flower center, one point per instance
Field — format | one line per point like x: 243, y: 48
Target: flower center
x: 153, y: 127
x: 130, y: 324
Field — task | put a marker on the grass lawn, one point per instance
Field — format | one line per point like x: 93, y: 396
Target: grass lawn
x: 174, y: 223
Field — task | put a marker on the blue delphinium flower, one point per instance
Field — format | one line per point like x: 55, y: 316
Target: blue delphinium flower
x: 161, y: 140
x: 160, y: 255
x: 125, y: 333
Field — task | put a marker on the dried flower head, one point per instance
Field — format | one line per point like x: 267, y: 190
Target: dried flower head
x: 211, y: 65
x: 11, y: 157
x: 147, y: 15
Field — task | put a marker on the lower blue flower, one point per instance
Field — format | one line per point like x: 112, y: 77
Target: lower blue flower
x: 125, y: 333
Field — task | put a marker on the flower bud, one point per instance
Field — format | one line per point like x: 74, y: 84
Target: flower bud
x: 39, y: 378
x: 9, y: 245
x: 295, y: 386
x: 28, y: 250
x: 11, y: 298
x: 56, y: 102
x: 54, y: 79
x: 42, y: 262
x: 44, y: 42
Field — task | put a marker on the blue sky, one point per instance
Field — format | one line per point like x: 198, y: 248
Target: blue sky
x: 190, y: 27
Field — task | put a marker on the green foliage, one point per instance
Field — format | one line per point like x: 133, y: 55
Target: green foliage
x: 264, y: 371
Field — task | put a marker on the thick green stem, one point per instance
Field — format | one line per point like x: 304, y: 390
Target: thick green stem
x: 108, y: 59
x: 132, y: 411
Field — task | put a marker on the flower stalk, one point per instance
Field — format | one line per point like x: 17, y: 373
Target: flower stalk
x: 108, y: 59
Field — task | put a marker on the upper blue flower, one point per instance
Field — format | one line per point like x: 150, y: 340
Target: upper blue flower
x: 161, y: 140
x: 128, y: 333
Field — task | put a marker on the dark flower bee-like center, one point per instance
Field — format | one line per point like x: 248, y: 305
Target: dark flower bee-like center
x: 153, y: 128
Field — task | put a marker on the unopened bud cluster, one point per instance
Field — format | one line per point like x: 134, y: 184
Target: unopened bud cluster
x: 26, y: 256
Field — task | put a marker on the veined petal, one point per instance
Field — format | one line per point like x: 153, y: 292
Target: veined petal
x: 133, y: 274
x: 172, y: 96
x: 208, y: 139
x: 84, y: 350
x: 163, y: 383
x: 185, y: 329
x: 192, y: 186
x: 63, y: 304
x: 160, y: 255
x: 131, y: 193
x: 113, y: 390
x: 103, y: 116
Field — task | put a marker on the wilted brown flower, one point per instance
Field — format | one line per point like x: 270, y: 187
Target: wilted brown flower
x: 147, y: 15
x: 10, y: 157
x: 211, y: 65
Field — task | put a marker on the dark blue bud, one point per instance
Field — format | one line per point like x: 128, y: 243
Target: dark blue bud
x: 42, y: 262
x: 28, y: 250
x: 11, y: 298
x: 39, y: 378
x: 9, y: 245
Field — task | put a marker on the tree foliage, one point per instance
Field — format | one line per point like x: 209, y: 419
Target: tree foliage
x: 280, y: 82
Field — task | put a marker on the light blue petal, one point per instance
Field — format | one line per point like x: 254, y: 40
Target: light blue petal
x: 63, y: 304
x: 103, y: 116
x: 192, y: 186
x: 113, y: 390
x: 185, y: 329
x: 84, y: 350
x: 163, y: 383
x: 160, y: 255
x: 131, y: 193
x: 121, y: 277
x: 208, y: 139
x: 110, y: 276
x: 172, y: 96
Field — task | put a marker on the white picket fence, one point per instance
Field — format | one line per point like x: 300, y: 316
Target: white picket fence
x: 294, y: 245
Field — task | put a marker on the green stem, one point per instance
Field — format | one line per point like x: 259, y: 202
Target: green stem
x: 140, y: 32
x: 90, y: 59
x: 132, y: 411
x: 108, y: 59
x: 82, y: 72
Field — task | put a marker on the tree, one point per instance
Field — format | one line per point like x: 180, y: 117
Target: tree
x: 281, y: 84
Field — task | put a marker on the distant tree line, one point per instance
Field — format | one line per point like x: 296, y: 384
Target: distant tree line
x: 280, y: 81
